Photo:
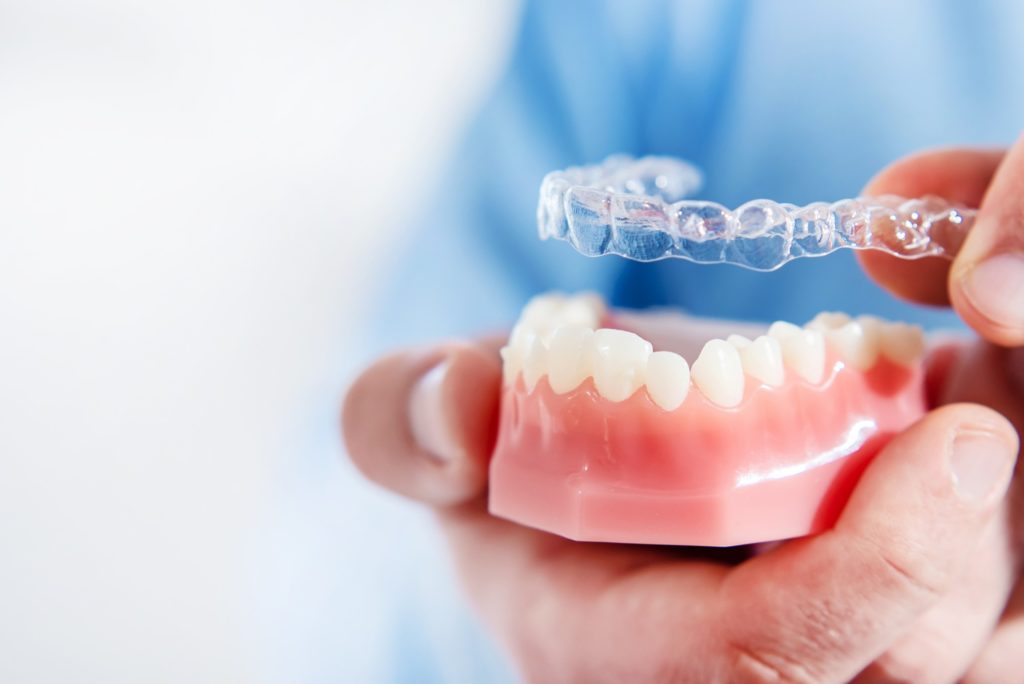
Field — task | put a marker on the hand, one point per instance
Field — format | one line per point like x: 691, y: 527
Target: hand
x: 911, y: 585
x: 985, y: 285
x: 919, y: 539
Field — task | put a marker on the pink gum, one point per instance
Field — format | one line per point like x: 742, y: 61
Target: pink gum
x: 781, y: 465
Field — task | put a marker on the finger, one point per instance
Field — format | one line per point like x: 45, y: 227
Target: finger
x: 947, y: 639
x: 986, y: 282
x: 1004, y: 652
x: 958, y: 175
x: 830, y: 605
x: 423, y: 424
x: 569, y: 611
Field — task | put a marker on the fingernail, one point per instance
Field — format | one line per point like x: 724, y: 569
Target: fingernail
x: 995, y: 287
x: 981, y: 464
x: 427, y: 418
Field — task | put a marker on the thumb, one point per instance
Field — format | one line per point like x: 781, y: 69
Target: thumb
x: 986, y: 282
x: 831, y: 604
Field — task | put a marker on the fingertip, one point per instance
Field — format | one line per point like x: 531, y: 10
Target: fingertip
x: 989, y: 296
x: 922, y: 281
x: 422, y: 423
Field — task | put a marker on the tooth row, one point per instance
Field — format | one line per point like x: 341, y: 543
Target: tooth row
x: 860, y: 341
x: 556, y: 338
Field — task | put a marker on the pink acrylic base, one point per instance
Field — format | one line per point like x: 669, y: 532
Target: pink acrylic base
x: 780, y: 465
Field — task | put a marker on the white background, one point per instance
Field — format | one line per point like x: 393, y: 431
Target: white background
x: 193, y: 196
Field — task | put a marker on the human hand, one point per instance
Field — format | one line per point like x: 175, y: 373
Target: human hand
x: 985, y: 285
x: 907, y: 586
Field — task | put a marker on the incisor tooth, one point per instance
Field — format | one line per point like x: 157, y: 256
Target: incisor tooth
x: 857, y: 342
x: 567, y: 359
x: 668, y: 379
x: 620, y: 362
x: 803, y: 350
x: 902, y: 342
x: 762, y: 360
x: 718, y: 373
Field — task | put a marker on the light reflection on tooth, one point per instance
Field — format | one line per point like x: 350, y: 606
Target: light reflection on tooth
x: 568, y: 360
x: 762, y: 360
x: 668, y: 379
x: 857, y: 342
x: 803, y: 350
x: 620, y: 363
x: 718, y: 373
x: 902, y: 343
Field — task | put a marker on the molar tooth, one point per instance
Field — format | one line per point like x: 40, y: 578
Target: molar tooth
x: 762, y: 360
x: 902, y: 342
x: 568, y: 362
x: 718, y: 373
x: 828, y: 320
x: 857, y: 342
x: 668, y: 379
x: 803, y: 350
x: 620, y: 362
x: 534, y: 362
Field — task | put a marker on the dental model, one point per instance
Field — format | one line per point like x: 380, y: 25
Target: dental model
x: 605, y: 437
x: 637, y: 209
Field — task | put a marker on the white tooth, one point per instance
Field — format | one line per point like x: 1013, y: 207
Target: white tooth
x: 857, y: 342
x: 827, y: 320
x: 510, y: 364
x: 762, y: 360
x: 568, y: 360
x: 902, y: 342
x: 668, y: 379
x: 620, y: 362
x: 585, y: 309
x: 803, y: 350
x: 718, y: 373
x: 738, y: 341
x: 534, y: 363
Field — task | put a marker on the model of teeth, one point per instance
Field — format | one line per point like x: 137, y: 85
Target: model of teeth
x: 559, y: 338
x: 757, y: 437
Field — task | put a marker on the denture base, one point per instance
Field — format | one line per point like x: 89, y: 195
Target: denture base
x: 780, y: 465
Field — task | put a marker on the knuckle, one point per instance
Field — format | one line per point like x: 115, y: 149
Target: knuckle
x: 750, y: 665
x: 910, y: 570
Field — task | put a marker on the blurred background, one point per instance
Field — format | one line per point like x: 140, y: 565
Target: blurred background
x: 194, y: 196
x: 212, y: 213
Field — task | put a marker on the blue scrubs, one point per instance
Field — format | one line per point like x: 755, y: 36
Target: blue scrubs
x: 795, y: 101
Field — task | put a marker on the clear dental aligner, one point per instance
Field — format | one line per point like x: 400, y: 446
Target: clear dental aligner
x: 638, y: 209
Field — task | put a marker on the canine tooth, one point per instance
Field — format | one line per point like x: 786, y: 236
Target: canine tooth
x: 534, y: 362
x: 738, y: 341
x: 803, y: 350
x: 828, y: 320
x: 857, y: 342
x: 762, y: 360
x: 568, y: 362
x: 902, y: 342
x: 718, y: 373
x: 668, y: 379
x: 620, y: 362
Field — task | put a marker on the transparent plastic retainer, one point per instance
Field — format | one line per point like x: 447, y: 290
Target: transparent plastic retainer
x: 638, y: 209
